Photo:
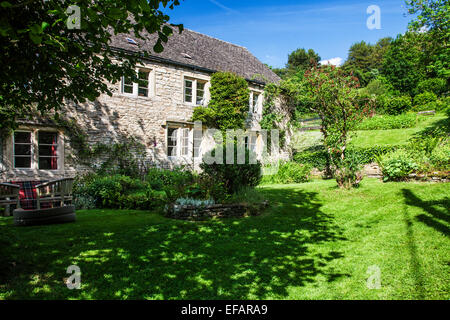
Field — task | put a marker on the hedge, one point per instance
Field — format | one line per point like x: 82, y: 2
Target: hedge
x: 318, y: 158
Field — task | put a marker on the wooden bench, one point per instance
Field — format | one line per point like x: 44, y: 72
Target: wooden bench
x: 55, y: 191
x: 9, y: 195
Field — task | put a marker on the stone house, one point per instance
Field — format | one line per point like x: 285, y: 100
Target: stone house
x: 156, y: 114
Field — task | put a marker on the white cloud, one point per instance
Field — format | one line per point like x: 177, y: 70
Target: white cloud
x: 338, y: 61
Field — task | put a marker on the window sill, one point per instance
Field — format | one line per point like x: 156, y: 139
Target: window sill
x: 30, y: 170
x: 131, y: 96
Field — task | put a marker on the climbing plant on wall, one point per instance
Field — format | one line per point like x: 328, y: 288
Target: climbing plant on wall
x: 229, y: 104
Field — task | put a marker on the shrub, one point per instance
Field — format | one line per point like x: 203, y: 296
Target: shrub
x: 318, y: 159
x: 397, y: 166
x: 84, y: 202
x: 436, y: 85
x: 387, y: 122
x: 378, y: 86
x: 173, y: 182
x: 425, y: 101
x: 207, y: 187
x: 159, y: 178
x: 348, y: 172
x: 440, y: 157
x: 106, y: 191
x: 290, y: 172
x: 443, y: 104
x: 233, y: 176
x: 142, y: 201
x: 398, y: 105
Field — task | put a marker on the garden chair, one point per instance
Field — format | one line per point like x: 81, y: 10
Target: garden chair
x: 9, y: 195
x: 54, y: 191
x: 43, y: 197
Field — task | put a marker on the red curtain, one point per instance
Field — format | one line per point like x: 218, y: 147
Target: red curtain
x: 54, y: 159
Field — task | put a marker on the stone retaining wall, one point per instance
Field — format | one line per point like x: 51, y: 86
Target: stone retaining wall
x: 214, y: 211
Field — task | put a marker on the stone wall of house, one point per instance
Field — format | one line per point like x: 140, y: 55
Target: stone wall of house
x: 114, y: 119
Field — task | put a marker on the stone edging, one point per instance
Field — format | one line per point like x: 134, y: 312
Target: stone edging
x: 214, y: 211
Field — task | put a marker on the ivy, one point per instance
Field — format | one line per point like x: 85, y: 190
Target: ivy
x: 116, y: 158
x: 229, y: 104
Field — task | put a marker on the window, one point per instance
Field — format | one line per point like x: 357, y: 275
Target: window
x: 47, y: 150
x: 253, y: 139
x: 194, y: 91
x: 142, y: 87
x: 188, y: 85
x: 22, y: 150
x: 184, y: 142
x: 35, y: 150
x: 127, y: 85
x: 198, y: 137
x: 255, y: 103
x: 200, y: 93
x: 250, y: 142
x: 172, y: 134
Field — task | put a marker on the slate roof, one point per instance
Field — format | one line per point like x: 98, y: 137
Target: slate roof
x: 199, y: 50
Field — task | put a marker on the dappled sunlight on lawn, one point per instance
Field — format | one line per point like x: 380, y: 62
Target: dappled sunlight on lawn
x: 303, y: 245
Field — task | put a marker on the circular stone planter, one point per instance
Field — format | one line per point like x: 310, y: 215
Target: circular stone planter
x: 44, y: 216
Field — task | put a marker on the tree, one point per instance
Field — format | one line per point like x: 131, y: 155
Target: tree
x: 299, y: 61
x: 360, y: 56
x: 333, y: 96
x: 229, y: 104
x: 50, y: 55
x: 365, y: 60
x: 433, y: 20
x: 403, y: 64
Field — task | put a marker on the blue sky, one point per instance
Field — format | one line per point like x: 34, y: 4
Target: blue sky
x: 272, y: 29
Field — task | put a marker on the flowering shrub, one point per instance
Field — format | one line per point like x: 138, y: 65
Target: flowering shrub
x: 397, y: 166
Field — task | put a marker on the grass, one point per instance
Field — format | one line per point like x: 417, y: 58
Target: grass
x: 369, y: 138
x: 316, y: 242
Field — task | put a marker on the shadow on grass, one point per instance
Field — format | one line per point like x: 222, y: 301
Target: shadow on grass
x: 435, y: 218
x: 138, y: 258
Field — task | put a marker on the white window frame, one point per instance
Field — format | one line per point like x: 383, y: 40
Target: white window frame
x: 251, y: 141
x: 258, y: 108
x: 194, y: 139
x: 32, y: 158
x: 184, y: 143
x: 135, y: 93
x: 34, y: 139
x: 195, y: 82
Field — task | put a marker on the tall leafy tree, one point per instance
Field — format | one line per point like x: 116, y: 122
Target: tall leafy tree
x: 360, y: 56
x: 52, y: 51
x: 365, y: 60
x: 433, y: 20
x: 299, y: 61
x: 403, y: 64
x: 333, y: 96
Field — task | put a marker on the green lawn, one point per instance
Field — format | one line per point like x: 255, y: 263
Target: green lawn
x: 316, y: 242
x: 369, y: 138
